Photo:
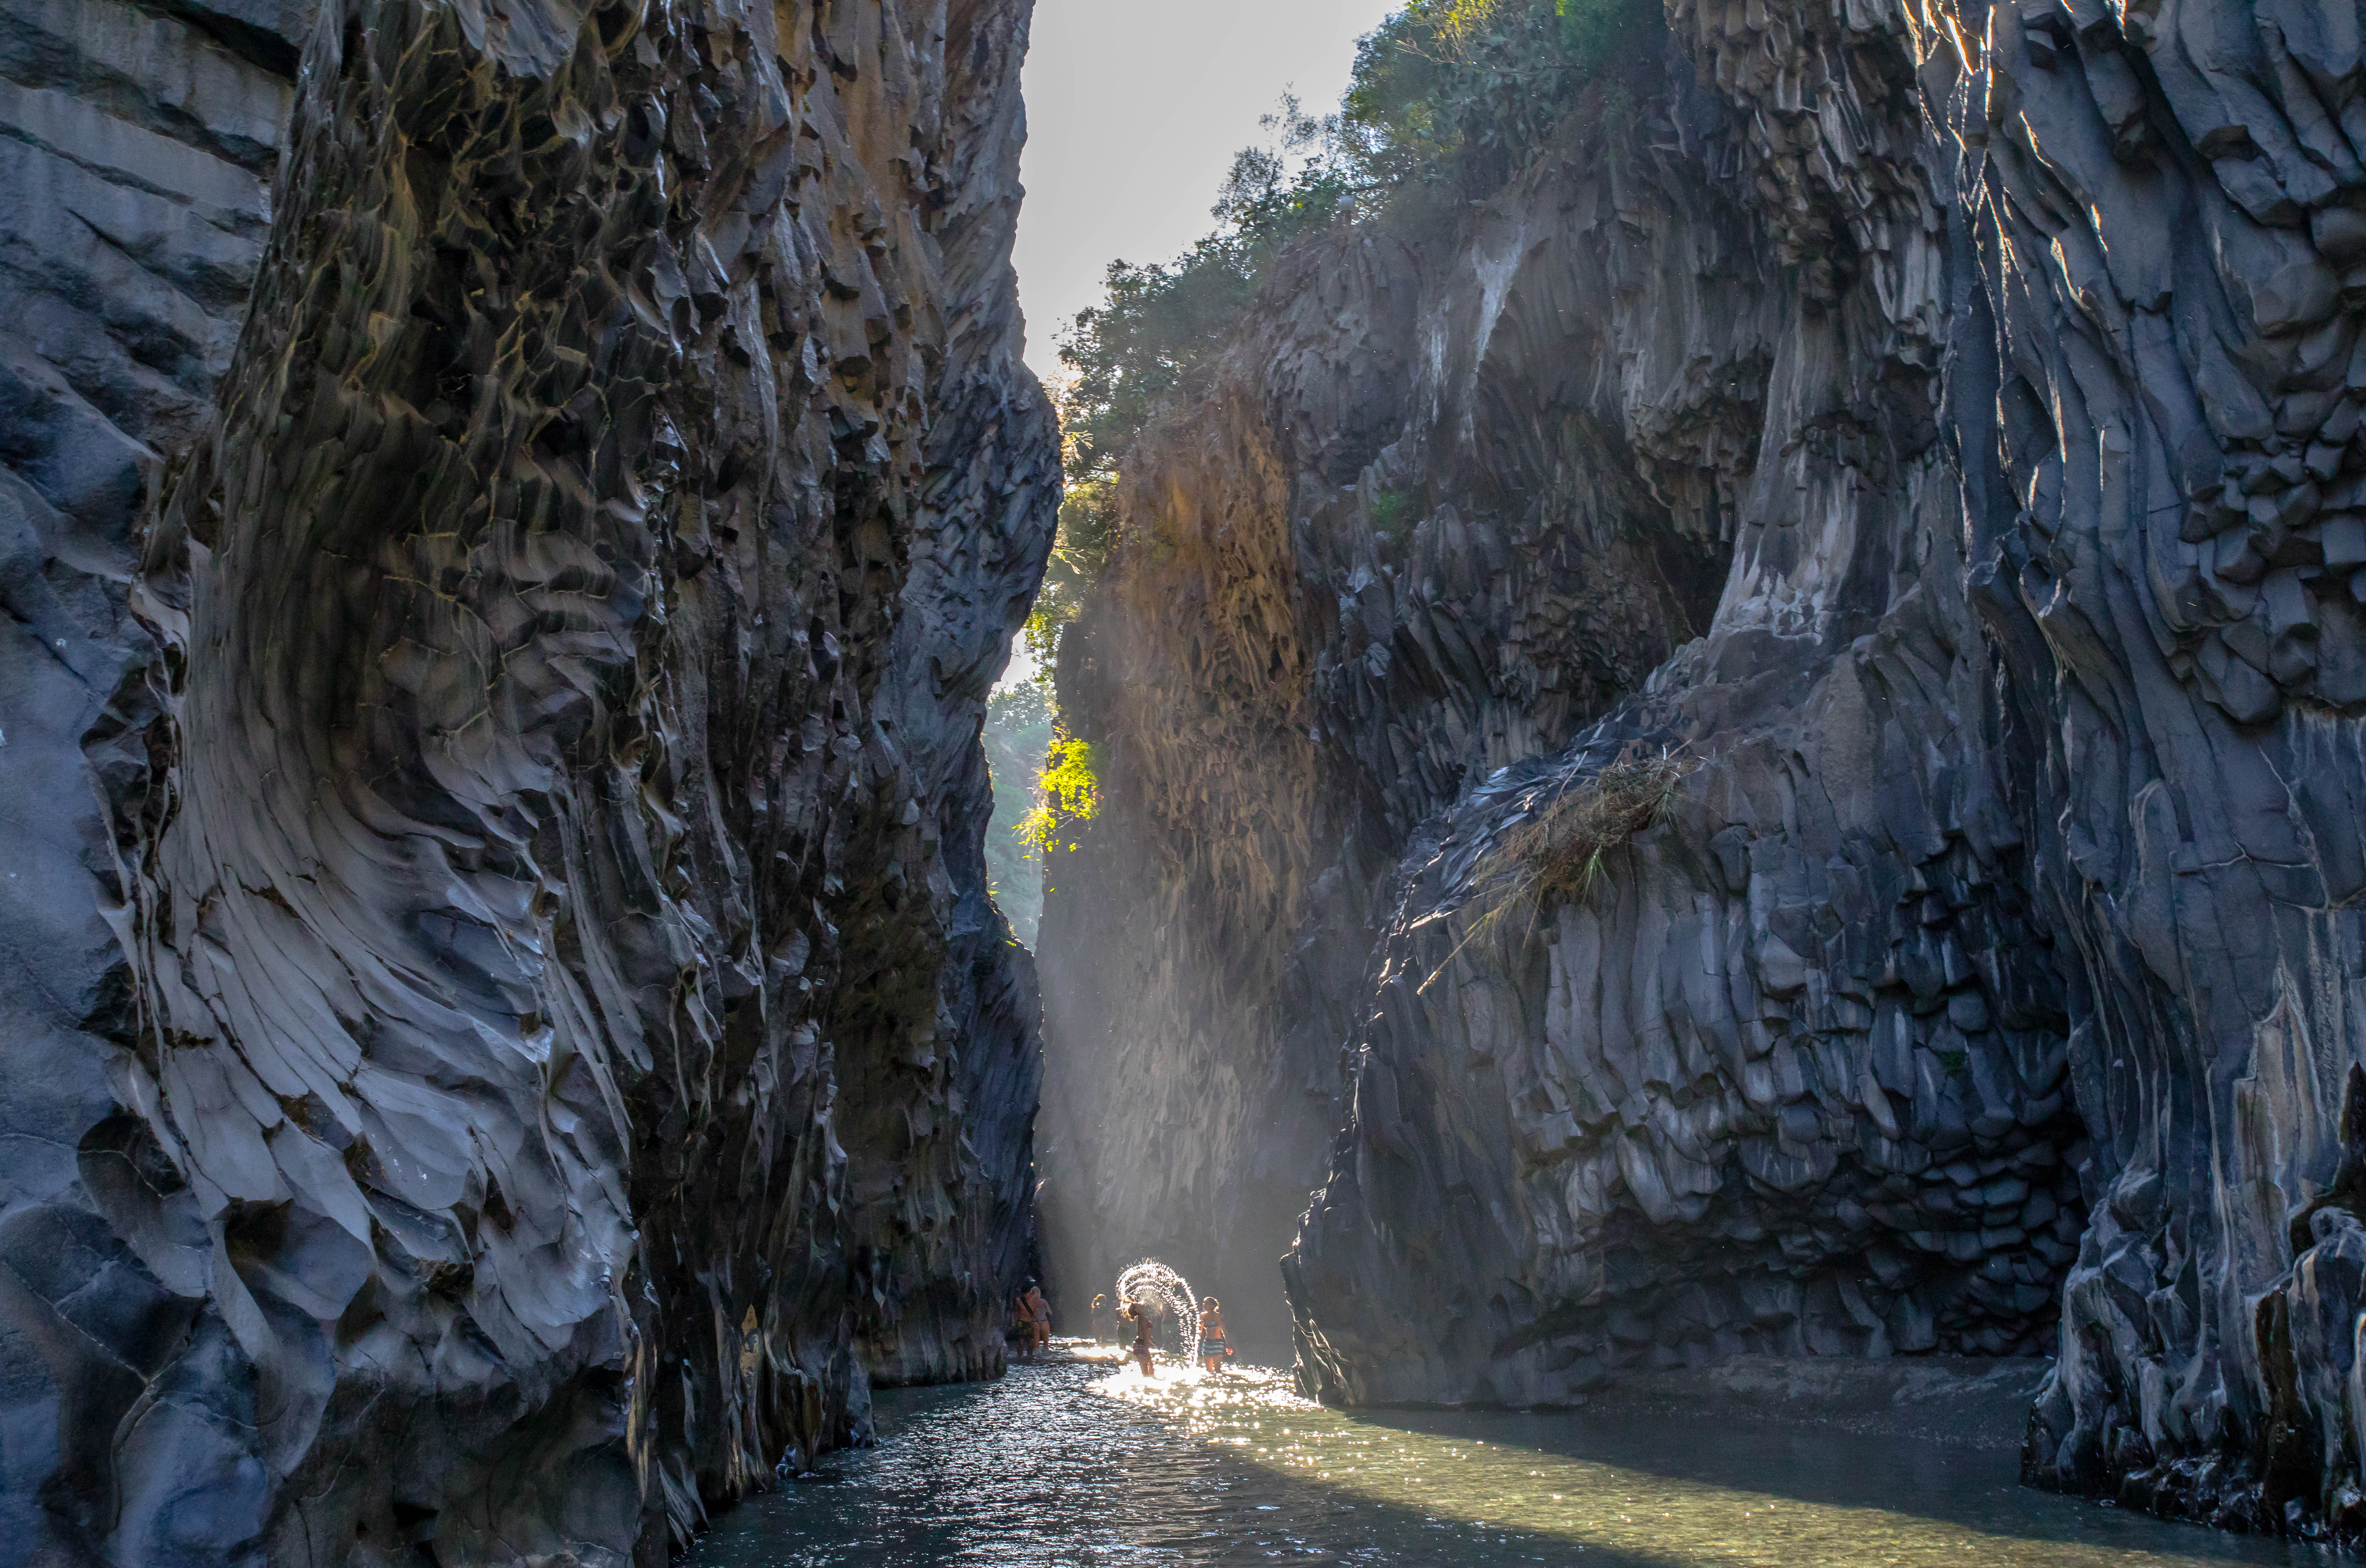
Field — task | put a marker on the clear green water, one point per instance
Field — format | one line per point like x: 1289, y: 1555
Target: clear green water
x: 1081, y: 1464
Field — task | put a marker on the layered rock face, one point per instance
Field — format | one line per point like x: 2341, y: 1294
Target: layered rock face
x: 507, y: 1016
x: 1790, y: 1078
x: 1986, y: 984
x: 1285, y: 677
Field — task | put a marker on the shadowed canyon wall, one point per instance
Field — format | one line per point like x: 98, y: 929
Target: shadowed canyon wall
x: 507, y: 1038
x: 1933, y: 427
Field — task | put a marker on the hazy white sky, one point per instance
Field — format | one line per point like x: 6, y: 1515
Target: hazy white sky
x: 1134, y: 109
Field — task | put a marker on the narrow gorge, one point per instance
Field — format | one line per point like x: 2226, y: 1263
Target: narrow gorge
x: 1759, y: 752
x: 1731, y: 735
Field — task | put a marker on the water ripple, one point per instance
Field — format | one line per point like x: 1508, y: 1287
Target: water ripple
x: 1086, y: 1465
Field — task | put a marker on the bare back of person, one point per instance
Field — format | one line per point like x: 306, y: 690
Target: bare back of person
x: 1213, y: 1344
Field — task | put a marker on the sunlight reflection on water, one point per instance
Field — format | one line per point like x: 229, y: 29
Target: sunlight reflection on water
x: 1085, y: 1465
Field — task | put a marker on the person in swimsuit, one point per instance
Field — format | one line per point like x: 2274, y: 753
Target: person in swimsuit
x: 1022, y: 1328
x: 1213, y: 1349
x: 1104, y: 1321
x: 1140, y: 1352
x: 1038, y: 1317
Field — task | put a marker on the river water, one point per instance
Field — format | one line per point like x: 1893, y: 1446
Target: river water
x: 1084, y: 1463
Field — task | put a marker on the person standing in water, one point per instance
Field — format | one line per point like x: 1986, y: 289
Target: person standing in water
x: 1213, y: 1349
x: 1140, y: 1352
x: 1105, y: 1327
x: 1022, y: 1328
x: 1038, y: 1317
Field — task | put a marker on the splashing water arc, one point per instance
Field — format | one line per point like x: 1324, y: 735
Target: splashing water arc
x: 1167, y: 1290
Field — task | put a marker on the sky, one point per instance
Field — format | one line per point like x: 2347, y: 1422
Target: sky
x: 1134, y: 109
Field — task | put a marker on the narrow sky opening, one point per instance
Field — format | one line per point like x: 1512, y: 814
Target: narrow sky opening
x: 1134, y: 109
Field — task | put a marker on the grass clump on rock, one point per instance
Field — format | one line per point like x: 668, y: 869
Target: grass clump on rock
x: 1555, y: 856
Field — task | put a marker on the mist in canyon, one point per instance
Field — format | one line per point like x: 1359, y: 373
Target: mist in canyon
x: 1698, y: 705
x: 1737, y: 735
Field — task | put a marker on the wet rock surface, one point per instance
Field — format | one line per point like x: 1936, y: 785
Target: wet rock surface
x: 507, y: 1035
x: 1988, y: 986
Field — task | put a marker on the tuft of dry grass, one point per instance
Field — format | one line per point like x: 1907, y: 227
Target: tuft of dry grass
x: 1555, y: 856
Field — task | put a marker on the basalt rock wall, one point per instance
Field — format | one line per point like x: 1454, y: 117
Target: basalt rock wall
x: 507, y: 1037
x: 1348, y: 584
x: 1789, y: 1075
x: 1987, y: 983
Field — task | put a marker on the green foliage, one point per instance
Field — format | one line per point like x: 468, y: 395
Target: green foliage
x: 1449, y: 99
x: 1154, y: 331
x: 1018, y: 735
x: 1392, y: 516
x: 1080, y: 552
x: 1154, y: 335
x: 1072, y: 792
x: 1601, y: 35
x: 1019, y: 709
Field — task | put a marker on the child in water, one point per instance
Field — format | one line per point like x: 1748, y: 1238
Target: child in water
x: 1213, y: 1349
x: 1140, y: 1352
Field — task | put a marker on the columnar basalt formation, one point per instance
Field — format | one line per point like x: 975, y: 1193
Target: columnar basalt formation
x: 2172, y: 578
x: 137, y: 160
x: 1790, y: 1077
x: 1990, y: 981
x: 1287, y: 676
x: 512, y: 993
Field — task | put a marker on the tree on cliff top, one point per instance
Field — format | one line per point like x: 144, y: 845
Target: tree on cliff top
x: 1449, y: 99
x: 1157, y: 332
x: 1019, y: 736
x: 1152, y: 339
